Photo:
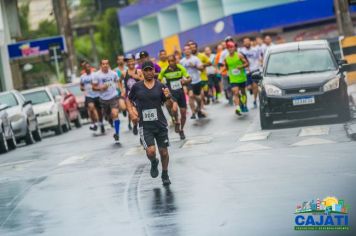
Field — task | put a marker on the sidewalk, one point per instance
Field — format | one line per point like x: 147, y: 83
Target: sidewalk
x: 352, y: 93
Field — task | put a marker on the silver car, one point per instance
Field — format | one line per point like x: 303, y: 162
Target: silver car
x: 23, y: 119
x: 7, y: 136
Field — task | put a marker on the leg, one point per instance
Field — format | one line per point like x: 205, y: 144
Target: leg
x: 183, y: 117
x: 163, y: 143
x: 148, y: 142
x: 163, y: 152
x: 255, y: 93
x: 192, y: 102
x: 93, y: 114
x: 116, y: 121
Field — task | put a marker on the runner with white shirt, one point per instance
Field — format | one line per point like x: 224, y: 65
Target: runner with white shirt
x: 193, y: 66
x: 106, y: 81
x: 254, y: 57
x: 92, y: 102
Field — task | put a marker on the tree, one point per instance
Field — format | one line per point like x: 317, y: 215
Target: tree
x: 110, y: 35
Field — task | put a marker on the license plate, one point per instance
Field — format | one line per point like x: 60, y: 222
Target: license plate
x: 303, y: 101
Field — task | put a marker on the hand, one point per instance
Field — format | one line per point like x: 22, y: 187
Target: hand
x: 104, y: 87
x: 166, y: 92
x: 123, y: 94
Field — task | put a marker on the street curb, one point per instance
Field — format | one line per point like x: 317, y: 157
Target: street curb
x: 350, y: 129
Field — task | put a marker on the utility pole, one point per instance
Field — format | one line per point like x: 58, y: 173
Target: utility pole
x: 343, y: 18
x: 61, y: 12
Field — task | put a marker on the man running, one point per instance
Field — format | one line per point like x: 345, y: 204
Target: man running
x: 92, y: 100
x: 120, y: 69
x: 203, y: 75
x: 163, y: 61
x: 149, y: 96
x: 236, y: 64
x: 176, y: 76
x: 130, y: 77
x: 254, y: 57
x: 214, y: 86
x: 193, y: 66
x: 106, y: 81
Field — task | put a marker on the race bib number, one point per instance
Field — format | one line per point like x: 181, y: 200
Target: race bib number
x: 176, y: 85
x: 236, y: 71
x: 150, y: 115
x: 109, y: 84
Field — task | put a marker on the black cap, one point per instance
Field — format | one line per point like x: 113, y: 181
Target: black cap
x: 148, y: 64
x: 143, y: 54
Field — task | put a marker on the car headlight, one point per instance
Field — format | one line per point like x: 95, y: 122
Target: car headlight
x: 331, y: 85
x: 272, y: 90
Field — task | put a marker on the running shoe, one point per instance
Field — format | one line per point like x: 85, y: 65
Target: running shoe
x: 201, y: 115
x: 124, y: 113
x: 102, y: 129
x: 116, y: 137
x: 193, y: 117
x: 238, y: 111
x: 135, y: 130
x: 93, y: 127
x: 165, y: 180
x: 154, y: 168
x: 130, y: 127
x: 255, y: 104
x: 182, y: 135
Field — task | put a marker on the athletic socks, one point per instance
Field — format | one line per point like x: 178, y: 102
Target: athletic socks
x: 117, y: 126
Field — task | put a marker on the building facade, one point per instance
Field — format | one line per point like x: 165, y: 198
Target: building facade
x: 155, y: 24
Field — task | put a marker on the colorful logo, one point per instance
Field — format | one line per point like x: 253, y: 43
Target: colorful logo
x: 328, y: 214
x: 26, y: 50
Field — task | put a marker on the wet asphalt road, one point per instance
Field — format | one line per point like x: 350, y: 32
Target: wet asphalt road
x: 228, y: 178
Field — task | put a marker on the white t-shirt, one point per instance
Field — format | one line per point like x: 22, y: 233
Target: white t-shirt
x: 254, y: 56
x: 110, y: 78
x: 191, y: 64
x: 86, y: 81
x: 210, y: 70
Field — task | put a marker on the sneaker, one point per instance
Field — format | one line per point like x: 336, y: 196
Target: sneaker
x: 102, y: 129
x: 124, y: 113
x: 154, y: 168
x: 177, y: 127
x: 135, y: 131
x: 166, y: 181
x: 238, y: 111
x: 193, y: 117
x: 93, y: 127
x: 116, y: 137
x: 201, y: 115
x: 130, y: 127
x: 181, y: 134
x: 255, y: 104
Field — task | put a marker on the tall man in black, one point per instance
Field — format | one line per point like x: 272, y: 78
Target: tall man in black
x: 145, y: 105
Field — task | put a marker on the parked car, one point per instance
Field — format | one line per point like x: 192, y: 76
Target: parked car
x: 302, y: 79
x: 68, y: 101
x: 22, y: 117
x: 74, y: 88
x: 50, y: 113
x: 7, y: 136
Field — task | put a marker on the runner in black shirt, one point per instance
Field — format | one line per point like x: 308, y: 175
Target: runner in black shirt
x: 148, y: 96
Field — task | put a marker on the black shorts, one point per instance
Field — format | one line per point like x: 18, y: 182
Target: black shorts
x: 108, y: 105
x: 96, y: 102
x: 196, y: 88
x: 240, y: 85
x: 179, y: 97
x: 213, y: 81
x: 148, y: 137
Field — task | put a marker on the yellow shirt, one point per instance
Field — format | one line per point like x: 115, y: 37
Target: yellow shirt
x: 163, y: 64
x: 204, y: 60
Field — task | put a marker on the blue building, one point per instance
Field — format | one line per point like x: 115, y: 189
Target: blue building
x: 155, y: 24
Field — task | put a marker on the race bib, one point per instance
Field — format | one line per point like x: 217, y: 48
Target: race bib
x: 236, y: 71
x: 149, y: 115
x: 109, y: 84
x: 176, y: 85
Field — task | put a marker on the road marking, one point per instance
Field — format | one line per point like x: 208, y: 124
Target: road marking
x: 15, y: 163
x: 249, y: 147
x: 197, y: 141
x: 72, y: 160
x: 314, y: 131
x: 255, y: 136
x: 312, y: 141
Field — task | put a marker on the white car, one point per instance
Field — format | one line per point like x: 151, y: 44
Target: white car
x: 49, y: 111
